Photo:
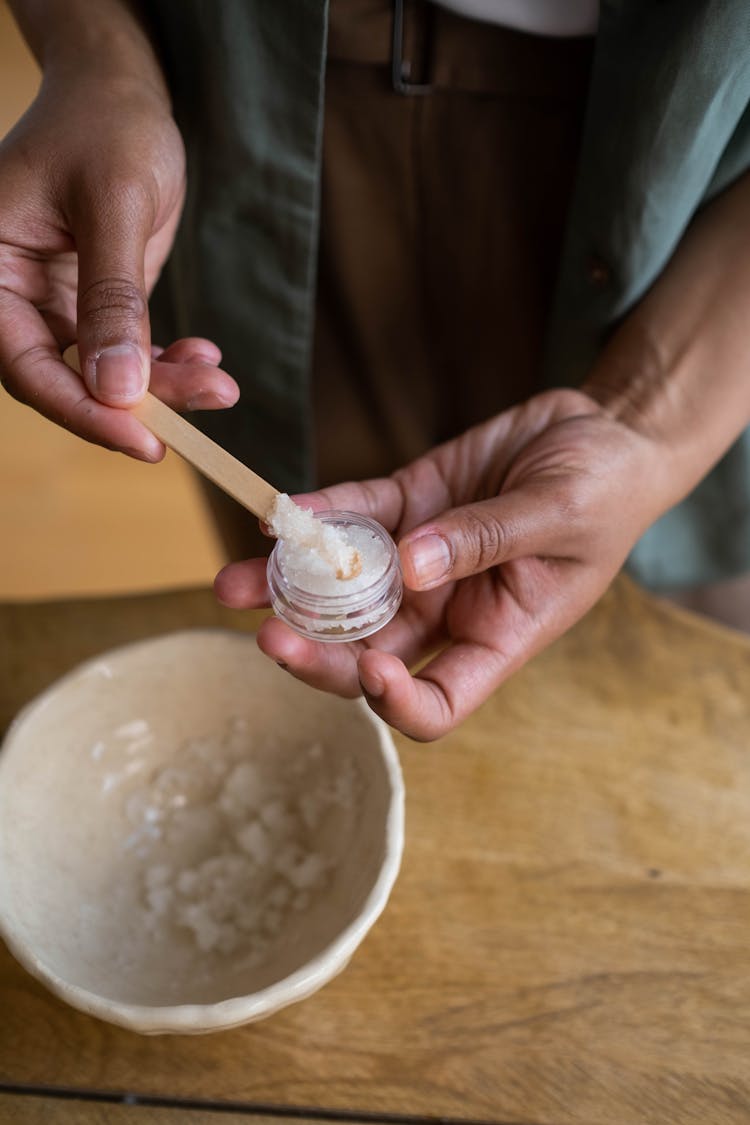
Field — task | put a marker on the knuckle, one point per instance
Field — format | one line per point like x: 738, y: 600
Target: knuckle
x: 370, y: 499
x: 434, y: 721
x: 110, y: 191
x: 11, y: 387
x: 129, y: 197
x: 112, y: 300
x: 424, y: 478
x: 573, y: 504
x: 32, y: 361
x: 487, y: 540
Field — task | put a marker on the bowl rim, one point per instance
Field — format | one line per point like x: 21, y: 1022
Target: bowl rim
x: 236, y: 1010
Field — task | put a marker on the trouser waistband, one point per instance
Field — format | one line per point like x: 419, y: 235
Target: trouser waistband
x: 428, y: 49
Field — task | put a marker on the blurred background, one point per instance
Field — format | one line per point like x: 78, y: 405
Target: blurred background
x: 76, y: 519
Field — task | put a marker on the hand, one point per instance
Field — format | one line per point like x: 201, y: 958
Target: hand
x: 507, y: 536
x: 91, y: 187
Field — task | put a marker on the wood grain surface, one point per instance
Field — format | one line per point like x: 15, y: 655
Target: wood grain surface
x: 568, y: 940
x: 34, y: 1110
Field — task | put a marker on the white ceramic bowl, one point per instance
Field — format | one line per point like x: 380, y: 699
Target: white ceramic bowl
x: 190, y: 839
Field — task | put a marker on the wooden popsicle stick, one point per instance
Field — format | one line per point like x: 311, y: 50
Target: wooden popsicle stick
x: 234, y: 478
x: 229, y: 474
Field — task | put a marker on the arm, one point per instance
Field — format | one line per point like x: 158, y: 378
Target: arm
x: 678, y: 369
x: 91, y: 189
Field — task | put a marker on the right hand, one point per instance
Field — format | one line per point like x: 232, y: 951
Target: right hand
x: 92, y: 181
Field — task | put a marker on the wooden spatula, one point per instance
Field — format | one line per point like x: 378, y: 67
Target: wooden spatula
x: 234, y: 478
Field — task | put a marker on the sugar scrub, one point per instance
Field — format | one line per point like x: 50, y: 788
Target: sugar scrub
x: 316, y: 602
x: 324, y: 544
x: 231, y: 852
x: 310, y: 572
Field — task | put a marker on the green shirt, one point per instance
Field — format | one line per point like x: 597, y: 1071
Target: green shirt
x: 667, y: 127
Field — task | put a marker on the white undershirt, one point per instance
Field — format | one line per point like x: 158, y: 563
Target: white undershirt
x: 540, y: 17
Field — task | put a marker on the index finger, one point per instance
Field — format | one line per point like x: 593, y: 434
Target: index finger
x: 381, y: 499
x: 33, y: 372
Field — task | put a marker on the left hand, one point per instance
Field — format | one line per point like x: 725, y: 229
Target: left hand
x: 507, y: 536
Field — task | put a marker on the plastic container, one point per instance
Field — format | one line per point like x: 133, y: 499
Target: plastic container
x: 346, y: 610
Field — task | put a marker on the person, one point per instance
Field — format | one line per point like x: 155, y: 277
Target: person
x: 475, y: 190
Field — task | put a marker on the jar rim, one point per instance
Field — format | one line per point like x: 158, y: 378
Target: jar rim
x: 339, y: 617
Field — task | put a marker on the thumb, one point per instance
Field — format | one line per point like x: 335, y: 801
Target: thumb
x: 525, y: 521
x: 114, y: 336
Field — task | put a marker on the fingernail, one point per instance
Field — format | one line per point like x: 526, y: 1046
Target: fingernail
x: 209, y: 400
x: 150, y: 456
x: 375, y: 690
x: 199, y: 401
x: 431, y: 558
x: 120, y: 373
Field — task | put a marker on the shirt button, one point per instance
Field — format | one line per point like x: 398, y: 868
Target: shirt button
x: 598, y: 272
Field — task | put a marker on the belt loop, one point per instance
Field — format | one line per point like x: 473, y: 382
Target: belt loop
x: 401, y: 68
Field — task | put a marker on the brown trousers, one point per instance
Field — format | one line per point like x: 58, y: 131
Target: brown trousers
x: 442, y: 220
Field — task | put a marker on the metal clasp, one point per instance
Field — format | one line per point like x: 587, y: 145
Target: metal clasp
x: 401, y: 67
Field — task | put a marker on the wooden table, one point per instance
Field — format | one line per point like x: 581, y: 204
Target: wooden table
x: 568, y: 941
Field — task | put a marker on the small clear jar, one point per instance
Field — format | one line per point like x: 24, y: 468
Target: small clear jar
x: 340, y: 609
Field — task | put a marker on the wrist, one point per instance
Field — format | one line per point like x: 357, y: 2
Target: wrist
x: 103, y: 40
x: 631, y: 383
x: 682, y: 400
